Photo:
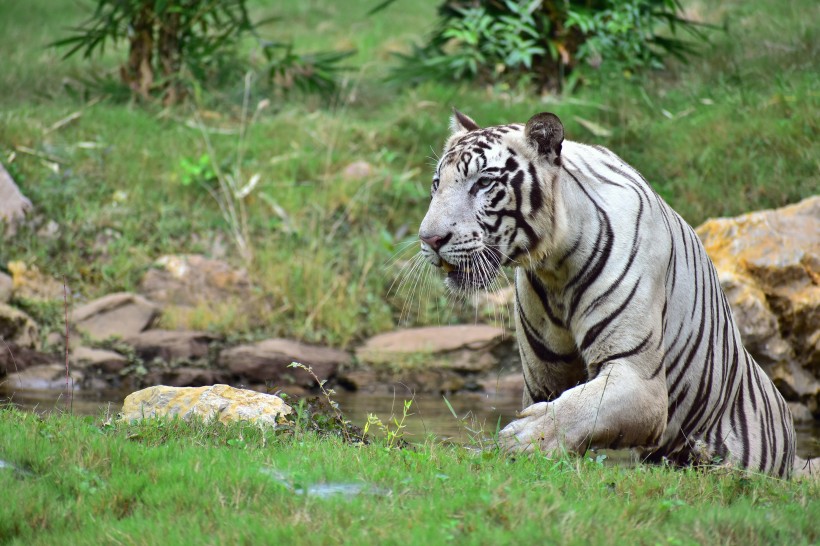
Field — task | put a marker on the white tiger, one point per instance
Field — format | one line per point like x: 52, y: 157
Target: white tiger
x: 626, y: 337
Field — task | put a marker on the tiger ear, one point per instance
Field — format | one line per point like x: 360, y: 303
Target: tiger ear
x: 545, y: 133
x: 460, y: 123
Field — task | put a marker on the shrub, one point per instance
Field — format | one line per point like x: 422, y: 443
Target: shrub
x: 547, y: 41
x: 174, y: 41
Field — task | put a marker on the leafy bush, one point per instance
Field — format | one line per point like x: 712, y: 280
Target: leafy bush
x: 174, y: 42
x: 548, y: 41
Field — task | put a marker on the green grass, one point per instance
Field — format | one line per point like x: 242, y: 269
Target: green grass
x: 83, y: 481
x: 733, y: 131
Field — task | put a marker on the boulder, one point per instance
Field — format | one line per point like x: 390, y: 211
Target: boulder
x: 44, y: 377
x: 800, y: 413
x: 171, y: 345
x: 186, y: 376
x: 6, y: 287
x: 225, y: 403
x: 98, y: 360
x: 508, y: 384
x: 115, y: 315
x: 29, y: 283
x: 386, y: 382
x: 17, y: 327
x: 191, y: 280
x: 466, y: 348
x: 14, y: 358
x: 768, y: 263
x: 13, y: 204
x: 268, y: 361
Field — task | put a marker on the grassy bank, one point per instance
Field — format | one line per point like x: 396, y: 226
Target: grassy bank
x: 733, y: 131
x: 85, y: 481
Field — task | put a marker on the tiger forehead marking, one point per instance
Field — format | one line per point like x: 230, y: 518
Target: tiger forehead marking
x: 476, y: 151
x: 625, y: 336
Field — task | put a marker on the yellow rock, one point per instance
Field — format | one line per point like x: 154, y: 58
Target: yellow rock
x: 30, y: 283
x: 768, y: 263
x: 226, y: 403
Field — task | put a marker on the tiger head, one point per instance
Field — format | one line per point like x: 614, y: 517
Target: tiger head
x: 491, y: 198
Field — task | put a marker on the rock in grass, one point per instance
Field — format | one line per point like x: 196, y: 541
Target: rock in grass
x: 13, y: 204
x: 223, y: 402
x: 17, y: 327
x: 191, y: 280
x: 121, y: 315
x: 6, y: 286
x: 32, y: 284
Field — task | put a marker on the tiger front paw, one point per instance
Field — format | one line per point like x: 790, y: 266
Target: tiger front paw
x: 534, y: 430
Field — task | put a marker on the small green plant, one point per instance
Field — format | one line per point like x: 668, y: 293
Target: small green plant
x: 344, y: 425
x: 394, y: 429
x: 196, y: 170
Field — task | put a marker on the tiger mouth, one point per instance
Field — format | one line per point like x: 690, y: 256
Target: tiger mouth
x: 468, y: 276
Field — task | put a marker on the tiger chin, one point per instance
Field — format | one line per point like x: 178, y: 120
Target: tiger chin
x: 625, y: 336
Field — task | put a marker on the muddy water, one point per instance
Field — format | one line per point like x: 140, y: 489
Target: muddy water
x: 477, y: 415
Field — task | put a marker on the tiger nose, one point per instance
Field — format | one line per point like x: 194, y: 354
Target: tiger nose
x: 435, y: 241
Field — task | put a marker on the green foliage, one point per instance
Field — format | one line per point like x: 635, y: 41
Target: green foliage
x: 179, y: 45
x: 624, y: 36
x: 167, y: 39
x: 546, y: 41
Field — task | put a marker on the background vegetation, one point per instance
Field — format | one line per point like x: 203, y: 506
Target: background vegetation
x: 126, y: 181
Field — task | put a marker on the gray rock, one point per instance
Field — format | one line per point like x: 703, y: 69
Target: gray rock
x: 420, y: 380
x: 268, y: 361
x: 6, y: 287
x: 13, y: 204
x: 54, y: 339
x: 464, y: 348
x: 98, y: 359
x: 115, y: 315
x: 187, y: 376
x: 17, y: 327
x: 509, y: 384
x: 800, y: 413
x: 14, y: 358
x: 171, y: 345
x: 44, y: 377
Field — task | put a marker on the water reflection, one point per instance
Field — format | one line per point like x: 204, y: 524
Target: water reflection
x: 478, y: 415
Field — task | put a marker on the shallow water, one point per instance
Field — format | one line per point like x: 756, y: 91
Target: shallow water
x: 478, y: 414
